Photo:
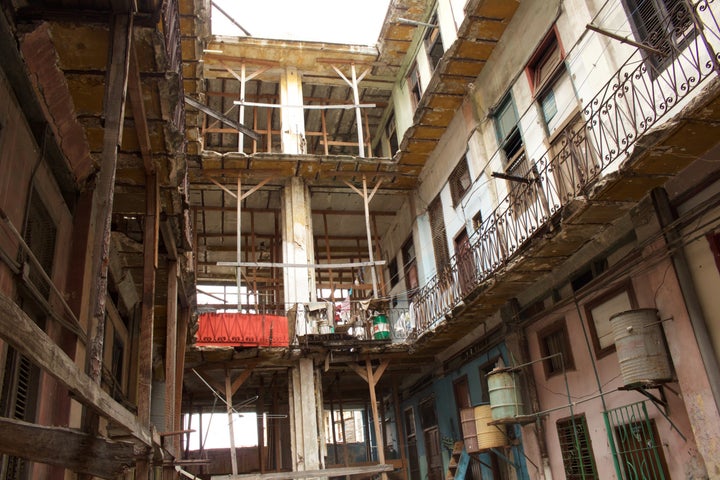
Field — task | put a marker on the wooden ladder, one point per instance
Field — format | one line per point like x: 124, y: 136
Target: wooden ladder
x: 459, y: 460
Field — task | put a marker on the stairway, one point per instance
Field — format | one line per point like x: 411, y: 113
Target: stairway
x: 459, y: 460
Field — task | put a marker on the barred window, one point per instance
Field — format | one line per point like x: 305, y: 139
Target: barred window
x: 576, y: 449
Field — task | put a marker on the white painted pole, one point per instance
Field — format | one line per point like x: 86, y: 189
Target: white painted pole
x: 241, y: 115
x: 366, y: 201
x: 358, y: 119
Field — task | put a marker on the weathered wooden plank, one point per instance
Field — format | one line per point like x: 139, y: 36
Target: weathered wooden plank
x: 145, y: 344
x: 65, y: 447
x: 26, y: 337
x: 102, y: 203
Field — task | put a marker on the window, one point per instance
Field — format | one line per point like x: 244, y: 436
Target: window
x: 410, y: 266
x: 598, y: 313
x: 414, y: 86
x: 638, y: 445
x: 665, y: 25
x: 459, y: 181
x: 554, y: 339
x: 576, y: 449
x: 477, y: 220
x: 393, y: 271
x: 433, y: 43
x: 40, y: 233
x: 391, y: 132
x: 439, y: 235
x: 545, y: 62
x: 506, y: 123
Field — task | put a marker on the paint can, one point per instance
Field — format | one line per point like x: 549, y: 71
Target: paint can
x: 380, y: 328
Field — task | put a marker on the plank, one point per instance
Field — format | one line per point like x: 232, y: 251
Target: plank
x: 17, y: 329
x: 68, y: 448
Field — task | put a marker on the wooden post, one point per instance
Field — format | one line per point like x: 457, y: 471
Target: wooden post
x: 381, y: 277
x: 367, y: 198
x: 367, y: 130
x: 376, y: 419
x: 238, y: 243
x: 241, y: 114
x: 366, y: 202
x: 372, y: 379
x: 150, y: 248
x: 102, y: 203
x: 171, y: 339
x: 346, y: 454
x: 228, y: 401
x: 358, y: 112
x: 329, y: 259
x: 145, y: 342
x: 324, y: 131
x: 180, y: 368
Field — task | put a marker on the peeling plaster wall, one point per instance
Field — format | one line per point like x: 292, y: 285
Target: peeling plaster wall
x: 682, y: 457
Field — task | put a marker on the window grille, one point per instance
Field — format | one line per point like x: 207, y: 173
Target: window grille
x: 636, y: 445
x: 439, y: 236
x: 576, y: 449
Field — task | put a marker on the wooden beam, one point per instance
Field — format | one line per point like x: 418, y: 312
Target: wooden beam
x: 171, y: 341
x: 138, y: 108
x: 374, y: 377
x: 237, y: 383
x: 102, y: 203
x: 18, y: 330
x: 219, y: 116
x: 68, y: 448
x: 231, y: 423
x: 145, y: 343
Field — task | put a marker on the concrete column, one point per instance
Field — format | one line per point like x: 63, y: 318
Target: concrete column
x: 298, y: 244
x: 305, y: 403
x: 304, y: 426
x: 292, y: 119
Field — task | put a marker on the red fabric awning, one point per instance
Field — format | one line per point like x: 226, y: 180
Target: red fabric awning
x: 241, y: 329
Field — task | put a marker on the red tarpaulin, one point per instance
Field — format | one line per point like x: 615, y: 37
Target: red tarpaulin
x: 241, y: 329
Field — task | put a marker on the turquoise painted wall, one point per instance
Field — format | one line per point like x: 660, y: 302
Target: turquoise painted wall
x: 441, y: 389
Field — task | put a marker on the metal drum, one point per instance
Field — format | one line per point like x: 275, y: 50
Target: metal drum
x: 640, y: 347
x: 505, y: 396
x: 488, y: 436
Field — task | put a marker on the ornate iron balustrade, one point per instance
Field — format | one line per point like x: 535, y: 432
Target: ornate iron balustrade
x: 638, y: 96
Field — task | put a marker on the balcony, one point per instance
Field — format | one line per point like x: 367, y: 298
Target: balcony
x: 647, y: 123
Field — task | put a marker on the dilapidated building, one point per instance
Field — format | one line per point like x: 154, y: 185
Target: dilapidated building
x: 486, y: 246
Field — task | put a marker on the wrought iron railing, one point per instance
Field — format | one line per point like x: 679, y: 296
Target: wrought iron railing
x: 637, y: 98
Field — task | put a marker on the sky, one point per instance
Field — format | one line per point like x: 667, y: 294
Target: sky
x: 335, y: 21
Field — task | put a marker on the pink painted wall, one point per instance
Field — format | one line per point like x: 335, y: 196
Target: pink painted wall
x: 655, y: 286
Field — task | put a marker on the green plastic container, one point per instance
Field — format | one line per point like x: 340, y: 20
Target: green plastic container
x: 381, y: 328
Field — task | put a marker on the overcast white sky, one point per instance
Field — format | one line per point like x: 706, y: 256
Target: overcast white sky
x: 335, y: 21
